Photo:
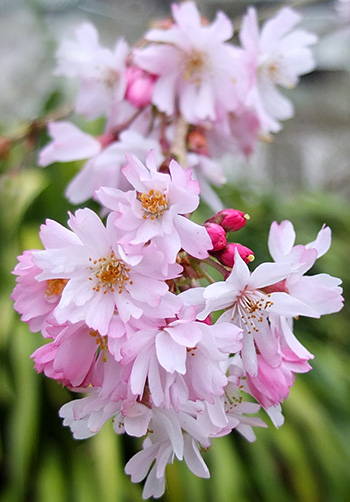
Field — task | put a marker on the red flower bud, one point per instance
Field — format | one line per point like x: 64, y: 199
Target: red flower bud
x: 217, y: 235
x: 230, y: 219
x: 227, y: 255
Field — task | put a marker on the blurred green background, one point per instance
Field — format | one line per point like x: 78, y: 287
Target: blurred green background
x: 308, y: 458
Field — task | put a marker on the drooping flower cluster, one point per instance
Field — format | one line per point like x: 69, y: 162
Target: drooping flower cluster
x: 187, y: 80
x: 126, y: 306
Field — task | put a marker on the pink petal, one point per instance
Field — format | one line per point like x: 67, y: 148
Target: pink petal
x: 171, y: 355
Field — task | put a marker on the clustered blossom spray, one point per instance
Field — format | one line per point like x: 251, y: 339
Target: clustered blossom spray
x: 126, y: 304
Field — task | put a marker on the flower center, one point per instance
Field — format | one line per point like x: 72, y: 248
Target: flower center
x: 250, y: 309
x: 111, y: 80
x: 272, y: 70
x: 154, y: 203
x: 194, y: 64
x: 111, y: 274
x: 55, y: 286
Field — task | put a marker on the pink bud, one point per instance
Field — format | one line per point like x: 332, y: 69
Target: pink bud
x: 230, y: 219
x: 217, y: 235
x: 139, y: 86
x: 227, y: 255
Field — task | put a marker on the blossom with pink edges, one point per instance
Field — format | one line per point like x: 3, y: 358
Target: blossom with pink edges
x: 277, y: 56
x: 100, y: 71
x: 197, y: 71
x: 156, y: 210
x: 101, y: 278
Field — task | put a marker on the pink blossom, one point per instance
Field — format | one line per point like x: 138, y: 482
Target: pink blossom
x: 242, y: 294
x: 86, y: 416
x: 271, y: 384
x: 72, y: 355
x: 195, y: 67
x: 235, y: 133
x: 100, y: 71
x: 101, y: 277
x: 156, y: 209
x: 173, y: 358
x: 35, y: 300
x: 175, y: 435
x: 170, y: 435
x: 235, y: 404
x: 322, y: 292
x: 122, y: 305
x: 276, y: 56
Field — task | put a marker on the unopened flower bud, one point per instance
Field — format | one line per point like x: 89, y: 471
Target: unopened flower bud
x: 230, y: 219
x: 217, y: 235
x: 139, y: 86
x: 227, y: 255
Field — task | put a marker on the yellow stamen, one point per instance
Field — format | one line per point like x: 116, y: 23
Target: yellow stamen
x: 194, y: 62
x: 111, y: 273
x: 154, y: 203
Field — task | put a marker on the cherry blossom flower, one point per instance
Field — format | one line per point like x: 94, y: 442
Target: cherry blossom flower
x: 156, y: 209
x: 242, y: 294
x: 101, y: 277
x: 179, y: 359
x: 34, y: 300
x: 72, y: 355
x: 276, y: 56
x: 194, y: 65
x: 100, y: 71
x: 175, y: 435
x: 321, y: 291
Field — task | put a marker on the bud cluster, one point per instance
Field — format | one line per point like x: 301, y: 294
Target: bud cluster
x: 223, y: 222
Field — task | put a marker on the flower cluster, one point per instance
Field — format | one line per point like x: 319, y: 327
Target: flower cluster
x: 129, y: 309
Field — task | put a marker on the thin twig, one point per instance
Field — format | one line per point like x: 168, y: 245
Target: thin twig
x: 220, y: 268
